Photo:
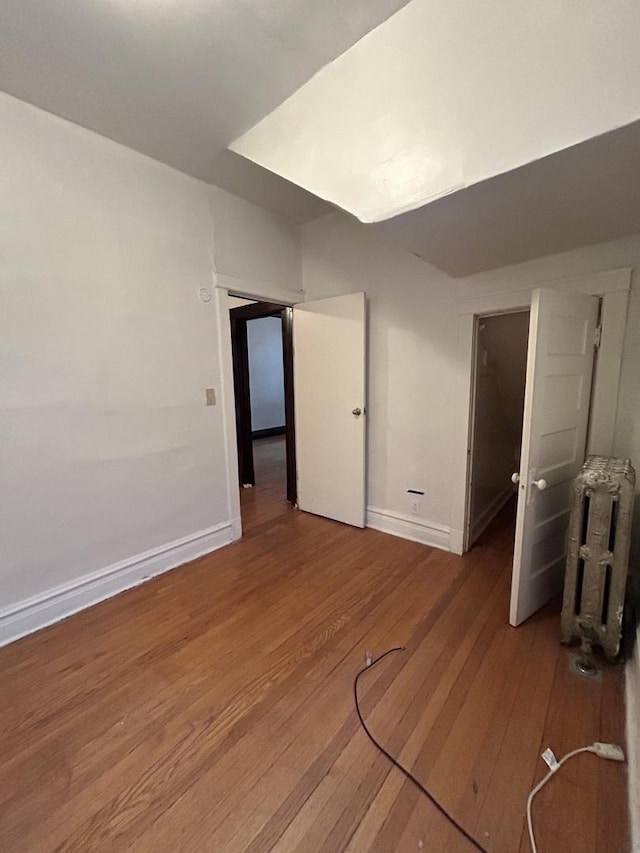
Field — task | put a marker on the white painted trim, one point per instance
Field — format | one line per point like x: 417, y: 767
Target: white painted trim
x: 462, y: 427
x: 253, y: 288
x: 55, y: 604
x: 496, y: 303
x: 606, y: 378
x: 610, y: 284
x: 236, y: 525
x: 594, y: 284
x: 261, y: 290
x: 456, y: 541
x: 228, y: 404
x: 489, y: 513
x: 408, y: 527
x: 633, y: 741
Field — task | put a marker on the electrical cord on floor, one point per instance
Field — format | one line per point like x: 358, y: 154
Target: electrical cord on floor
x: 370, y: 663
x: 604, y: 750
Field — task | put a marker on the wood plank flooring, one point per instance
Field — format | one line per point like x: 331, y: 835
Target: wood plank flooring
x: 267, y: 499
x: 211, y: 709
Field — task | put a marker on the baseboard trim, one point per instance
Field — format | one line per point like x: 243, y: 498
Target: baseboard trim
x: 236, y: 528
x: 632, y: 697
x: 456, y: 541
x: 488, y: 514
x: 55, y: 604
x: 409, y: 527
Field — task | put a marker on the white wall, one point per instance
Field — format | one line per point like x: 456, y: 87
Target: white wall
x: 413, y: 310
x: 111, y: 466
x: 266, y: 372
x: 256, y: 252
x: 412, y: 359
x: 108, y: 449
x: 445, y: 94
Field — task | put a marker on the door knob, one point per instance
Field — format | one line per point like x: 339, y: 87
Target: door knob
x: 357, y: 411
x: 515, y: 477
x: 540, y: 484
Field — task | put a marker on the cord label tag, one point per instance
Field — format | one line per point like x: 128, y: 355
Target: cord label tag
x: 549, y: 758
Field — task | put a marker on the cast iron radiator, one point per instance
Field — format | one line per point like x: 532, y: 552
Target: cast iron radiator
x: 598, y: 554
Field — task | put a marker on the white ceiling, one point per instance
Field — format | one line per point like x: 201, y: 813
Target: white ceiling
x: 252, y: 182
x: 586, y: 194
x: 446, y: 94
x: 177, y: 80
x: 180, y: 79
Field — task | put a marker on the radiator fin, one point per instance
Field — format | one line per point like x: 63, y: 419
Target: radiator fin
x: 598, y: 553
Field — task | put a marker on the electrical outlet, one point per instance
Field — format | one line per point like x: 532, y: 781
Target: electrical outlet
x: 210, y: 396
x: 415, y: 500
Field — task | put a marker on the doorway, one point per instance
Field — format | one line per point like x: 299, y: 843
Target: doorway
x: 325, y: 432
x: 576, y: 334
x: 261, y: 343
x: 498, y: 383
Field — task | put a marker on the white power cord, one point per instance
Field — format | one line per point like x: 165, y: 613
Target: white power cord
x: 604, y: 750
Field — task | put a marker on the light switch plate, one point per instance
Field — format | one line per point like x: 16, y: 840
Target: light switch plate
x: 210, y: 394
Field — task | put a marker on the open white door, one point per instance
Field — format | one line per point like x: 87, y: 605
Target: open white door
x: 562, y: 333
x: 329, y: 383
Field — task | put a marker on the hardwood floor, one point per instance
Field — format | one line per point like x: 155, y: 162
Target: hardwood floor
x: 211, y: 709
x: 267, y: 499
x: 501, y: 532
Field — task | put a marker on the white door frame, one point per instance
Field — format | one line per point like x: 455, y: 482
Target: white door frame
x: 249, y: 289
x: 613, y: 286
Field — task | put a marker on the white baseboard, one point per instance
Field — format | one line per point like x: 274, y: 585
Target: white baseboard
x: 236, y: 528
x: 55, y: 604
x: 408, y: 527
x: 456, y: 541
x: 633, y: 741
x: 488, y: 514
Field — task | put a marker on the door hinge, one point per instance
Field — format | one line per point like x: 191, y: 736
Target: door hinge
x: 598, y: 336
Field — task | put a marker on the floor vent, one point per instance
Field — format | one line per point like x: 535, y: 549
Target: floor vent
x: 598, y: 554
